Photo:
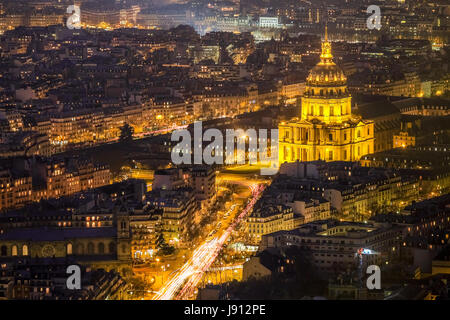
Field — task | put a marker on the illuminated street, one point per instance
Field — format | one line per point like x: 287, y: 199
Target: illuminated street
x: 184, y: 282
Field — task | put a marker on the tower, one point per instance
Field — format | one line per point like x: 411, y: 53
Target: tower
x: 327, y: 129
x: 123, y: 248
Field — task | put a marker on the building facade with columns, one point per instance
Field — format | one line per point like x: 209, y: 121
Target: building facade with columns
x: 327, y: 129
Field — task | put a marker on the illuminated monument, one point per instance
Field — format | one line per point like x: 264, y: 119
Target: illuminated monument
x: 327, y: 130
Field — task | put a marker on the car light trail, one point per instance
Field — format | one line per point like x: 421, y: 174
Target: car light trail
x: 183, y: 284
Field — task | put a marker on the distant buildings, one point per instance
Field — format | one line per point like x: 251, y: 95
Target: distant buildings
x: 425, y: 232
x: 334, y: 245
x: 271, y: 218
x: 269, y: 22
x: 349, y: 188
x: 97, y: 244
x: 441, y: 263
x: 25, y: 144
x: 339, y: 251
x: 309, y: 191
x: 45, y: 279
x: 23, y: 180
x: 178, y: 212
x: 204, y: 183
x: 183, y: 195
x: 204, y: 52
x: 381, y: 84
x: 112, y: 17
x: 104, y: 228
x: 145, y: 226
x: 428, y: 163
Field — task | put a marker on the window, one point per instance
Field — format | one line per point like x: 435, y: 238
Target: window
x: 101, y: 248
x: 330, y: 155
x: 69, y: 248
x: 80, y: 248
x: 24, y: 250
x: 112, y: 247
x: 14, y: 251
x: 330, y: 137
x: 90, y: 248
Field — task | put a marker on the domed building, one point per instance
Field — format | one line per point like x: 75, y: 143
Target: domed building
x: 326, y: 130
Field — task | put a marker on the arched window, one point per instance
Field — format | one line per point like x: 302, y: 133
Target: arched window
x: 90, y: 248
x: 101, y: 248
x: 112, y: 247
x: 24, y: 250
x: 80, y: 248
x: 4, y: 251
x: 14, y: 250
x: 69, y: 248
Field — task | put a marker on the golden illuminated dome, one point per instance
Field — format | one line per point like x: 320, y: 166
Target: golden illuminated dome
x: 326, y: 73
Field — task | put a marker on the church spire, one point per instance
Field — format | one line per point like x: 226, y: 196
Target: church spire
x: 326, y: 56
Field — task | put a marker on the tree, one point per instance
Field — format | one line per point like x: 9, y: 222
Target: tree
x: 160, y: 241
x: 126, y: 132
x: 162, y: 246
x: 167, y: 250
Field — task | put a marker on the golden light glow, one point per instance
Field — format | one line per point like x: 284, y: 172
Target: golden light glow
x: 326, y: 130
x: 104, y: 25
x: 326, y: 56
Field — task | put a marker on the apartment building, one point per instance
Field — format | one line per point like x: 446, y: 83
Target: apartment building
x: 335, y: 245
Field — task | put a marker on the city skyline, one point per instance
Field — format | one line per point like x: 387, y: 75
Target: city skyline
x: 224, y: 150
